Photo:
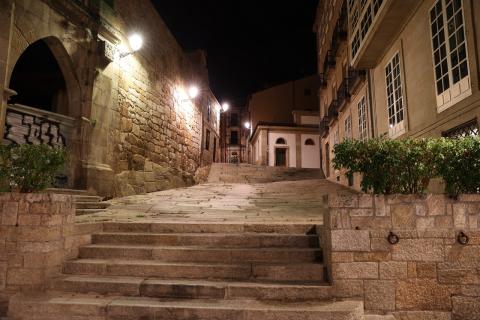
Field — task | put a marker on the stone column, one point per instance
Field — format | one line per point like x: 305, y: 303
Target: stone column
x: 33, y: 228
x: 7, y: 9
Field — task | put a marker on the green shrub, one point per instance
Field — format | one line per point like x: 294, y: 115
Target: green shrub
x: 458, y: 163
x: 387, y: 166
x: 406, y: 166
x: 29, y: 168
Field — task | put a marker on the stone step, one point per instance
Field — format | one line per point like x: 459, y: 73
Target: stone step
x: 74, y: 192
x: 91, y: 205
x: 80, y: 212
x: 164, y: 270
x: 200, y: 254
x: 88, y: 307
x: 193, y: 289
x: 378, y: 317
x: 218, y: 240
x: 87, y: 198
x: 209, y: 228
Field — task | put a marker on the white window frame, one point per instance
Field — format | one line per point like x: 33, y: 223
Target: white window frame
x: 463, y: 88
x: 362, y: 119
x: 348, y: 126
x: 397, y: 128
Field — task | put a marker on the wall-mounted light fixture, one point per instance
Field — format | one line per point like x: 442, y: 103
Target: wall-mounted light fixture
x: 247, y: 125
x: 225, y: 107
x: 136, y: 43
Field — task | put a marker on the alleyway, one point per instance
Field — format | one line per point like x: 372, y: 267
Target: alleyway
x: 233, y: 194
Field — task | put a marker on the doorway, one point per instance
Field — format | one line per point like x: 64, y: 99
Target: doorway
x: 327, y: 159
x: 280, y: 157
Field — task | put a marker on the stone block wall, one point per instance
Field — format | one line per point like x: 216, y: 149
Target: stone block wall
x: 37, y: 234
x: 428, y: 274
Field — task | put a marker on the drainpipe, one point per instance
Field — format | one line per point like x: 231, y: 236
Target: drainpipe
x: 370, y: 104
x: 6, y: 91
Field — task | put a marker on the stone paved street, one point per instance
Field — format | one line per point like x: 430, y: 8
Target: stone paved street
x: 277, y: 202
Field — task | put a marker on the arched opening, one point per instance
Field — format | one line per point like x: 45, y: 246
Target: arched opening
x: 39, y: 81
x: 309, y: 142
x: 281, y: 141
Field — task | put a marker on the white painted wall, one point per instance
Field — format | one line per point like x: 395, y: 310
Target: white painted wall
x: 310, y: 154
x: 291, y: 144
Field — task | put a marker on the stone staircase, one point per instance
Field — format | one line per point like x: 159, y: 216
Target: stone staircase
x: 246, y: 173
x: 192, y: 271
x: 85, y: 203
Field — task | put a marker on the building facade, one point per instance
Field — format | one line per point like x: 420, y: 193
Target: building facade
x: 235, y: 133
x: 396, y: 69
x: 69, y: 78
x: 285, y: 125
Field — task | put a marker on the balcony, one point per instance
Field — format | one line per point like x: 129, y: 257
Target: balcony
x: 333, y: 110
x: 324, y: 126
x: 342, y: 94
x: 387, y: 22
x: 329, y: 61
x: 355, y: 77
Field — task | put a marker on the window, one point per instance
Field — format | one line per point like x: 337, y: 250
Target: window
x: 362, y: 120
x: 465, y: 130
x: 309, y: 142
x: 234, y: 137
x: 336, y: 137
x: 234, y: 119
x: 348, y: 127
x: 366, y: 22
x: 280, y: 141
x: 364, y: 12
x: 449, y: 48
x: 207, y: 140
x: 209, y: 112
x: 395, y: 102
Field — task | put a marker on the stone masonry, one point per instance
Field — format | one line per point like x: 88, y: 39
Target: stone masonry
x: 428, y: 274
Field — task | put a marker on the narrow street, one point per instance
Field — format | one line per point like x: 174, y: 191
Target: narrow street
x: 272, y: 196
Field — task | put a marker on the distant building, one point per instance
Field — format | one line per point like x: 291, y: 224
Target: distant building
x: 396, y: 68
x: 284, y: 122
x: 235, y: 135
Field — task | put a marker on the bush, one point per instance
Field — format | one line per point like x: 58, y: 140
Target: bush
x: 29, y: 168
x: 458, y: 163
x: 406, y: 166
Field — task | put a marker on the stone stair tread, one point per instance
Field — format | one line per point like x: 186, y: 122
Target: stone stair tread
x: 212, y: 234
x: 93, y: 304
x: 185, y: 247
x: 163, y: 263
x: 80, y: 212
x: 140, y: 280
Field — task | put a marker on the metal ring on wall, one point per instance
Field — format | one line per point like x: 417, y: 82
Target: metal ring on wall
x: 462, y: 238
x: 392, y: 238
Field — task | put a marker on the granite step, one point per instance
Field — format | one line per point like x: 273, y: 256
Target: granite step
x: 83, y: 307
x: 199, y: 254
x: 80, y: 212
x: 218, y: 240
x: 165, y: 270
x: 193, y: 288
x: 92, y: 205
x: 210, y: 228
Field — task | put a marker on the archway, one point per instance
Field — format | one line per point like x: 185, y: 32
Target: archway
x: 39, y: 81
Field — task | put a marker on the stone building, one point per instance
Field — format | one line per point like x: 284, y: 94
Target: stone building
x: 69, y: 78
x: 397, y: 69
x: 235, y: 133
x: 285, y: 125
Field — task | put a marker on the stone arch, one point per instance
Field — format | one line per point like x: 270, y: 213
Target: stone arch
x: 62, y: 58
x: 280, y: 141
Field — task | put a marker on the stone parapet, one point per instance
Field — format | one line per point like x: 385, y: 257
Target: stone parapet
x: 37, y: 234
x: 428, y: 274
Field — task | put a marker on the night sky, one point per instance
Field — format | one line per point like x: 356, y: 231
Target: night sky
x: 251, y: 45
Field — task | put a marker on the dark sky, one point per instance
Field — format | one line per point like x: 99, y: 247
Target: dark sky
x: 250, y: 44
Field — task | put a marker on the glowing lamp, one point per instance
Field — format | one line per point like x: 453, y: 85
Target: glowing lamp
x: 193, y: 92
x: 247, y: 125
x: 225, y: 107
x: 135, y: 41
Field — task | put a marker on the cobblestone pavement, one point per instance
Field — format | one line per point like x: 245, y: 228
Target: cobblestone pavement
x: 275, y: 202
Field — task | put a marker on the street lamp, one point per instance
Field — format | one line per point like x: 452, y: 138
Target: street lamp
x: 135, y: 41
x: 225, y: 107
x: 247, y: 125
x: 193, y: 92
